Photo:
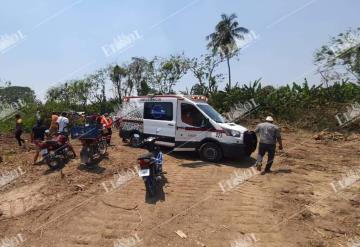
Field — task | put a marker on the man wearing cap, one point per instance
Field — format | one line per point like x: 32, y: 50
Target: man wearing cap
x: 269, y: 134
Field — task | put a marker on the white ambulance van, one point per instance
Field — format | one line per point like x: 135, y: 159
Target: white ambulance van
x: 184, y: 123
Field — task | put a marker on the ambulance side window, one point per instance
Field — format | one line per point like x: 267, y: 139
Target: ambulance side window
x: 158, y: 111
x: 192, y: 116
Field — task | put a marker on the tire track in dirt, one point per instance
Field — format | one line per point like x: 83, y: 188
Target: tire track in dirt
x: 206, y: 217
x: 195, y: 204
x: 97, y: 221
x: 186, y: 187
x: 227, y: 216
x: 253, y: 203
x: 103, y: 219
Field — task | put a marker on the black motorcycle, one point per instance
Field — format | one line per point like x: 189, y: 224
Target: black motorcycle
x: 94, y: 145
x: 150, y: 166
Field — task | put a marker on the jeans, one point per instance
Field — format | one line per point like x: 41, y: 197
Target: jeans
x: 263, y: 149
x: 108, y: 135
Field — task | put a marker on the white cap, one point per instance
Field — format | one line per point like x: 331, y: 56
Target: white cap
x: 269, y: 119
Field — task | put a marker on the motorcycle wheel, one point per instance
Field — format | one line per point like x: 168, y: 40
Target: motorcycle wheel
x: 70, y: 155
x: 53, y: 163
x: 150, y: 186
x: 84, y: 155
x: 135, y: 140
x: 102, y: 147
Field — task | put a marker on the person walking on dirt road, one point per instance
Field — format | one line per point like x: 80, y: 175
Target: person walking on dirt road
x: 19, y: 130
x: 269, y: 134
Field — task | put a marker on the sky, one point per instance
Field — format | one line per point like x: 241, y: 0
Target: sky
x: 44, y: 43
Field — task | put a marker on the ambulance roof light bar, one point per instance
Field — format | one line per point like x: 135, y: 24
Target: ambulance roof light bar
x: 199, y: 97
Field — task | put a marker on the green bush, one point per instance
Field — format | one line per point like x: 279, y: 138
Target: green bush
x: 312, y: 107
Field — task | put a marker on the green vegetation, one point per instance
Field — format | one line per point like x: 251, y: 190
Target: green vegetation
x: 308, y: 107
x: 298, y: 103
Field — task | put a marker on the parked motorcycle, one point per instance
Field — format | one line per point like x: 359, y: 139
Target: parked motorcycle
x: 57, y: 151
x: 94, y: 145
x: 150, y: 166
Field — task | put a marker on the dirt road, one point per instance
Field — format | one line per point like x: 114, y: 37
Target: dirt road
x: 214, y: 205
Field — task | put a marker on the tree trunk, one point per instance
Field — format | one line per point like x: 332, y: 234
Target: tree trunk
x: 118, y: 84
x: 228, y: 64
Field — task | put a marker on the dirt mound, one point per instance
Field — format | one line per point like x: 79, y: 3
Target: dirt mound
x: 332, y: 136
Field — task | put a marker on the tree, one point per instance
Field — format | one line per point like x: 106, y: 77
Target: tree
x: 203, y: 69
x: 97, y: 82
x: 80, y: 92
x: 340, y: 58
x: 165, y: 73
x: 55, y: 94
x: 72, y: 93
x: 199, y: 89
x: 138, y: 71
x: 9, y: 94
x: 144, y: 88
x: 117, y: 74
x: 223, y: 40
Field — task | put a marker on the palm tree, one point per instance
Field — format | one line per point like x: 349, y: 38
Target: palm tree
x: 223, y: 40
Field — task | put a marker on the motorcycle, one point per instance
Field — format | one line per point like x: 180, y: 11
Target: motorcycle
x: 94, y: 145
x: 56, y: 152
x: 150, y: 167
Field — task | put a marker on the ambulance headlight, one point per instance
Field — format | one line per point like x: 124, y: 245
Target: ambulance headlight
x: 233, y: 133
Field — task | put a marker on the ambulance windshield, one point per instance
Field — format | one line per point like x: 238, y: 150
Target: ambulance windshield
x: 212, y: 113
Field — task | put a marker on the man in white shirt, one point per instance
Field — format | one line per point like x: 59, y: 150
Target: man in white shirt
x: 269, y: 134
x: 63, y: 122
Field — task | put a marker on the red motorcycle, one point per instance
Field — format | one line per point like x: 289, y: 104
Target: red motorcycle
x: 57, y: 151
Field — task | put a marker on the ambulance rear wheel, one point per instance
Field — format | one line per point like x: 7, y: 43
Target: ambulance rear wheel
x: 211, y: 152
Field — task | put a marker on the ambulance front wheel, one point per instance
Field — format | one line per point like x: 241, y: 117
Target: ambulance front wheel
x: 211, y: 152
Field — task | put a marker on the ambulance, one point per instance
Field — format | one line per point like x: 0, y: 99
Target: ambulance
x: 184, y: 123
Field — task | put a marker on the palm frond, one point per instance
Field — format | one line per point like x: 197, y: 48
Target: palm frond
x: 241, y: 30
x: 232, y: 16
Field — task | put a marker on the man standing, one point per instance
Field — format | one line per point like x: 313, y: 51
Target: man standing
x: 19, y: 130
x: 269, y: 133
x: 63, y: 123
x: 53, y: 125
x: 106, y: 121
x: 38, y: 135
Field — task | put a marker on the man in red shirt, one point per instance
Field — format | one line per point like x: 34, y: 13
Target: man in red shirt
x: 107, y: 122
